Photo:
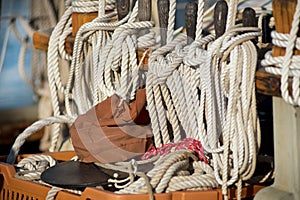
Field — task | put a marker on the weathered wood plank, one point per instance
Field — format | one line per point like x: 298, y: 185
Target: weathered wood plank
x: 269, y: 84
x: 41, y: 40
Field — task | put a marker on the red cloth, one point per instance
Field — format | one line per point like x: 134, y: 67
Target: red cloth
x: 187, y: 143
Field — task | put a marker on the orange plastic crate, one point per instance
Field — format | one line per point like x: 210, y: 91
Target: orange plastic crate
x: 15, y: 189
x: 247, y: 192
x: 12, y: 188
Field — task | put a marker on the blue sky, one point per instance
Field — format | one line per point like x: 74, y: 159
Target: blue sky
x: 14, y: 93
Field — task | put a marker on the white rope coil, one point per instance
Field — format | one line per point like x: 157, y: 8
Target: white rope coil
x: 207, y: 90
x: 287, y: 65
x: 87, y: 6
x: 204, y: 91
x: 31, y: 168
x: 112, y: 66
x: 32, y: 129
x: 165, y: 175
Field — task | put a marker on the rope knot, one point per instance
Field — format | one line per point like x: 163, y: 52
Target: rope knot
x: 195, y: 57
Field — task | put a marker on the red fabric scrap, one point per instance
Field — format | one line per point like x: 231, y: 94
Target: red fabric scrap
x: 187, y: 143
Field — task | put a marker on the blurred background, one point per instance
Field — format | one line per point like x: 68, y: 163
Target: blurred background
x: 23, y: 74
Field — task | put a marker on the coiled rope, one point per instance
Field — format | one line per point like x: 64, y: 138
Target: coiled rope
x: 31, y: 168
x: 125, y: 34
x: 36, y: 126
x: 210, y: 98
x: 287, y: 65
x: 112, y: 66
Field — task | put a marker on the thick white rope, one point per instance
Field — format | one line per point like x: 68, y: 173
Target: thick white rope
x: 55, y: 83
x: 171, y: 21
x: 31, y: 169
x: 166, y: 73
x: 88, y: 6
x: 106, y: 58
x: 234, y: 130
x: 286, y: 65
x: 212, y: 118
x: 36, y: 126
x: 78, y: 53
x: 166, y: 175
x: 200, y: 16
x: 4, y: 47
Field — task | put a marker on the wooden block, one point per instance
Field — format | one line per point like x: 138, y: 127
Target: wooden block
x: 69, y: 43
x: 269, y: 84
x: 41, y: 39
x: 78, y: 19
x: 283, y: 12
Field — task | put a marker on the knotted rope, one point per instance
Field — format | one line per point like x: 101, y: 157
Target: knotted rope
x: 125, y: 35
x: 209, y: 98
x: 171, y: 172
x: 81, y: 91
x: 32, y: 167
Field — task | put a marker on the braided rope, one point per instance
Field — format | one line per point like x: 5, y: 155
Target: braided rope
x: 87, y: 6
x: 211, y: 115
x: 36, y: 126
x: 169, y: 174
x: 171, y: 21
x: 106, y: 63
x: 85, y: 32
x: 54, y: 80
x: 200, y: 16
x: 286, y: 65
x: 169, y: 81
x: 31, y: 169
x: 29, y: 162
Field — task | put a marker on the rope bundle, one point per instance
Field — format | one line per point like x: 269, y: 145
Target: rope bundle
x: 206, y: 91
x: 118, y: 67
x: 171, y: 172
x: 112, y: 67
x: 81, y: 80
x: 84, y: 87
x: 87, y: 6
x: 31, y: 169
x: 229, y: 86
x: 287, y: 65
